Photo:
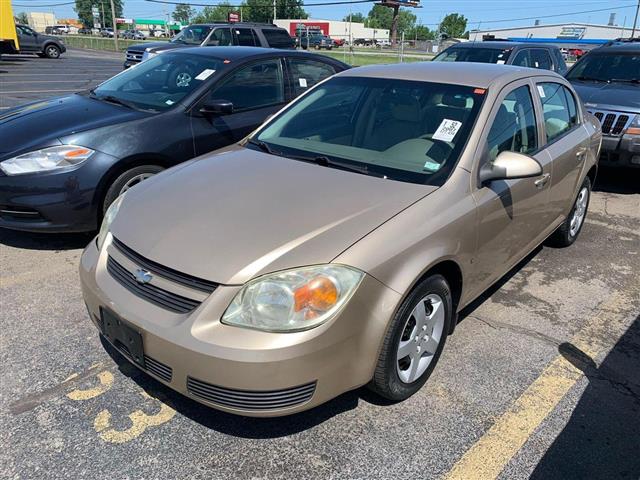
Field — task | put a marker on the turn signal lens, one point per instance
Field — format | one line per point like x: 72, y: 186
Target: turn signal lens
x: 320, y: 294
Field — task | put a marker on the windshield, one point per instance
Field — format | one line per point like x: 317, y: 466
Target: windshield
x: 404, y: 130
x: 605, y: 68
x: 193, y: 35
x: 159, y: 82
x: 478, y: 55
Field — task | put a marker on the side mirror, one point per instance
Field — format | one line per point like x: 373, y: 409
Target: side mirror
x: 217, y: 107
x: 508, y: 166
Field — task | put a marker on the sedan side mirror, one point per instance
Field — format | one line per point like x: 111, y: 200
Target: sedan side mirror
x: 510, y: 165
x: 217, y: 107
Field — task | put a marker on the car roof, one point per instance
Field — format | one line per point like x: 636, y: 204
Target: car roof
x: 460, y: 73
x: 239, y: 53
x: 499, y: 45
x: 236, y: 24
x: 617, y: 48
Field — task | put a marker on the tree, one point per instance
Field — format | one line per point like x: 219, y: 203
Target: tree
x: 382, y: 17
x: 83, y: 9
x: 218, y: 13
x: 420, y: 32
x: 261, y: 11
x: 453, y: 25
x: 22, y: 18
x: 183, y: 13
x: 356, y: 18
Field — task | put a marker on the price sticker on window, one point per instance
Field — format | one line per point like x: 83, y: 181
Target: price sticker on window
x: 303, y: 82
x: 447, y: 130
x: 206, y: 73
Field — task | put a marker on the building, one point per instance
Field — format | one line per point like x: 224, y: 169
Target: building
x: 334, y: 28
x: 562, y: 34
x: 41, y: 20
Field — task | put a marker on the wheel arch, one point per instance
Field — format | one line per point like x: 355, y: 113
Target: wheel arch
x: 120, y: 167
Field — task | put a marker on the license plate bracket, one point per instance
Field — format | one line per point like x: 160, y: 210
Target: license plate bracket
x: 123, y: 336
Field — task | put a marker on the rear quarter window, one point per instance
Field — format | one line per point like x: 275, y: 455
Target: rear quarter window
x: 278, y: 38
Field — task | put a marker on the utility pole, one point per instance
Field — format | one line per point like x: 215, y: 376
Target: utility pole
x: 635, y: 21
x: 104, y: 25
x: 274, y: 10
x: 115, y: 27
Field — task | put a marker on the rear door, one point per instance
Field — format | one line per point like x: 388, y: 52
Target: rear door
x: 566, y: 141
x: 245, y: 37
x: 256, y: 89
x: 304, y: 73
x: 541, y: 59
x: 220, y: 37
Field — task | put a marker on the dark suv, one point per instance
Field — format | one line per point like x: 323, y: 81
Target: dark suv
x: 533, y: 55
x: 608, y: 81
x: 42, y: 45
x: 215, y: 34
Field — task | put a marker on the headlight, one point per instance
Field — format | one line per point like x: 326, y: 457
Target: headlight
x: 147, y: 55
x: 634, y: 128
x: 109, y: 216
x: 47, y: 159
x: 293, y: 300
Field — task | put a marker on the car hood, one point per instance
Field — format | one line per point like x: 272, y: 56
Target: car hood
x: 43, y: 123
x: 157, y: 47
x: 623, y: 97
x: 232, y: 216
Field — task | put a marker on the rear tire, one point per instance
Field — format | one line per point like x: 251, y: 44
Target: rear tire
x: 126, y: 180
x: 568, y: 232
x: 419, y: 329
x: 52, y: 51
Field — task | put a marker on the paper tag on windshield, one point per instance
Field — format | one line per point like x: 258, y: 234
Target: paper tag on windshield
x: 447, y: 130
x: 432, y: 166
x: 206, y: 73
x: 303, y: 82
x: 500, y: 62
x: 541, y: 91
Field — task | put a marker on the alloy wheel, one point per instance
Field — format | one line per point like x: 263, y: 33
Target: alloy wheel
x: 133, y: 181
x: 420, y: 338
x: 579, y: 212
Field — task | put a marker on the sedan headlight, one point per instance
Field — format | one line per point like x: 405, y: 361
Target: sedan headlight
x: 109, y: 216
x: 46, y: 159
x: 293, y: 300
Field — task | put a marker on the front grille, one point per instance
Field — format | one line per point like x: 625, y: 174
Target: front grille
x: 166, y: 272
x: 251, y: 400
x: 613, y: 123
x: 162, y: 298
x: 134, y: 56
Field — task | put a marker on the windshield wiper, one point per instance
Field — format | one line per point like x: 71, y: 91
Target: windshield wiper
x: 327, y: 162
x: 624, y: 80
x: 587, y: 79
x: 263, y: 146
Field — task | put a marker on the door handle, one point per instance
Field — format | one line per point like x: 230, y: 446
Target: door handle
x: 581, y: 153
x: 542, y: 181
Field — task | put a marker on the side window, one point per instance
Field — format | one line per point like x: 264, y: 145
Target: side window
x: 522, y: 58
x: 573, y: 109
x: 514, y: 128
x: 253, y: 86
x: 557, y: 118
x: 306, y: 73
x: 277, y: 38
x: 245, y: 37
x: 540, y: 59
x: 221, y: 37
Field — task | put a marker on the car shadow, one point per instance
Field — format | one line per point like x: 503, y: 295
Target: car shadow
x: 602, y: 438
x: 623, y: 181
x: 44, y: 241
x: 236, y: 425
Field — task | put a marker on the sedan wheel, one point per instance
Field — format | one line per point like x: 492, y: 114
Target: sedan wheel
x: 568, y: 232
x: 414, y: 340
x: 126, y: 180
x: 579, y: 212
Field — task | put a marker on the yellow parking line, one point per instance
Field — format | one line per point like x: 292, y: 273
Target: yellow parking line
x: 492, y: 452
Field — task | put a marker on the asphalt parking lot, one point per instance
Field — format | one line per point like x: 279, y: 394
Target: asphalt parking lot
x: 539, y: 380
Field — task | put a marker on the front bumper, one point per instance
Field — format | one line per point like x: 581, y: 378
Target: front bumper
x: 241, y: 366
x: 63, y: 201
x: 621, y: 151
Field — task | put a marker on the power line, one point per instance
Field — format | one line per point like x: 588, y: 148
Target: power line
x: 344, y: 2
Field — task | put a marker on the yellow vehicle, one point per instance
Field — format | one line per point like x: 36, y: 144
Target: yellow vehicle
x: 8, y: 35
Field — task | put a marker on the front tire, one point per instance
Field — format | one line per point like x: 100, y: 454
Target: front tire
x: 568, y: 232
x: 127, y: 180
x: 52, y: 51
x: 414, y: 341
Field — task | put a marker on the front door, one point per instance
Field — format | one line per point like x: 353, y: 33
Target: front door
x: 27, y: 38
x: 256, y: 90
x: 512, y: 214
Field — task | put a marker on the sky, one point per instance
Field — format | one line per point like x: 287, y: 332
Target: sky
x: 481, y: 14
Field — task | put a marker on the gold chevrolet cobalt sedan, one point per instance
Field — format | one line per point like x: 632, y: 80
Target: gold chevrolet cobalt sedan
x: 335, y: 246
